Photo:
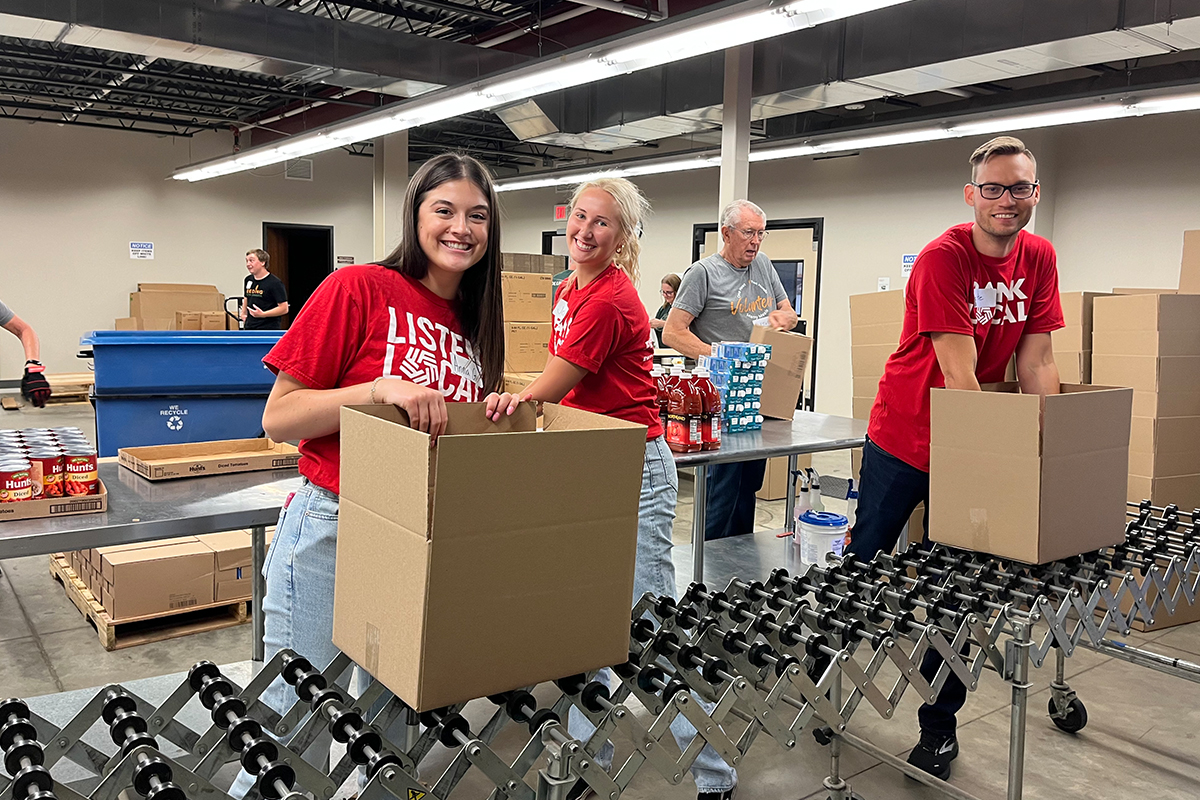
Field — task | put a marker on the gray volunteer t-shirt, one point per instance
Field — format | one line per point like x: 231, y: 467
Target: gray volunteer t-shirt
x: 726, y: 300
x: 6, y: 314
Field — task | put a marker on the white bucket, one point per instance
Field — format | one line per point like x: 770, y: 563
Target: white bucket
x: 821, y: 533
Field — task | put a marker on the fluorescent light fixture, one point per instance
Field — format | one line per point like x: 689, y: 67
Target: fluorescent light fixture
x: 885, y: 138
x: 662, y: 44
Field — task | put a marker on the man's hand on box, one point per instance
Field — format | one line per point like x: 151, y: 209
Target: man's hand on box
x: 782, y: 319
x: 426, y: 408
x: 498, y: 405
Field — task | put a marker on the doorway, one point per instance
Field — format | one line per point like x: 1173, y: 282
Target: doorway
x: 301, y: 257
x: 794, y: 247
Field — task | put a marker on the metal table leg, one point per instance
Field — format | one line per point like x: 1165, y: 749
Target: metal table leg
x: 789, y: 504
x: 699, y: 507
x: 258, y: 584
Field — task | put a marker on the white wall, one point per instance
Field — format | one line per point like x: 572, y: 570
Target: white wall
x: 1117, y: 197
x: 71, y: 200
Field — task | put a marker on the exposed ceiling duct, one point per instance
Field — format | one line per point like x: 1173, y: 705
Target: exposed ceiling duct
x: 257, y: 38
x: 934, y: 45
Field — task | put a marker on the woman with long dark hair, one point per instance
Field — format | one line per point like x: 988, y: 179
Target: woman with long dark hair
x: 421, y: 328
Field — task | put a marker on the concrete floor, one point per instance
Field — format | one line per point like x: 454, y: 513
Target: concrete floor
x: 1143, y: 737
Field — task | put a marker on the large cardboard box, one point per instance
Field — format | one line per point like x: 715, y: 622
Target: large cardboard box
x: 1073, y: 367
x: 161, y: 304
x: 187, y: 320
x: 867, y: 360
x: 125, y: 324
x: 526, y: 346
x: 1183, y: 490
x: 231, y: 569
x: 861, y: 407
x: 1163, y: 446
x: 1001, y: 485
x: 157, y: 580
x: 874, y: 308
x: 526, y: 296
x: 450, y: 587
x: 177, y: 287
x: 516, y: 381
x: 1189, y: 270
x: 212, y: 320
x: 774, y: 485
x: 783, y: 378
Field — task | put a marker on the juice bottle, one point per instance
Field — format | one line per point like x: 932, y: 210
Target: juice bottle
x: 684, y: 407
x: 710, y: 419
x: 660, y: 386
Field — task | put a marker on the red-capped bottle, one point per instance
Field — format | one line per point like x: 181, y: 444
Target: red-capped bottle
x: 710, y: 420
x: 659, y: 374
x: 684, y: 407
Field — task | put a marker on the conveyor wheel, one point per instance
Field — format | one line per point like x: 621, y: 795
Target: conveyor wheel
x: 1074, y: 720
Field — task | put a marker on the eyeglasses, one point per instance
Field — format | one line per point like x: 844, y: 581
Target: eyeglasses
x: 753, y: 234
x: 994, y: 191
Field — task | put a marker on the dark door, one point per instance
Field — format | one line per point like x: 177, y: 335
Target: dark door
x: 301, y: 257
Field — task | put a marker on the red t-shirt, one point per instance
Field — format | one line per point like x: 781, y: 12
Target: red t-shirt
x: 955, y: 289
x: 368, y: 321
x: 604, y: 328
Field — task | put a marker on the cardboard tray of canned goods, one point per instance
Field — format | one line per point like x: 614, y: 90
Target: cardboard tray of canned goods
x: 64, y: 506
x: 48, y: 472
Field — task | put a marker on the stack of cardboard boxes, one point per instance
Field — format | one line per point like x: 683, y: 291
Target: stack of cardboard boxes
x: 168, y: 576
x: 875, y: 322
x: 532, y: 262
x: 527, y: 325
x: 1151, y: 342
x: 176, y: 306
x: 1073, y: 344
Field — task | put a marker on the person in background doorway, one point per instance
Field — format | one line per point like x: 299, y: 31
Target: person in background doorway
x: 601, y: 352
x: 979, y: 293
x: 266, y: 299
x: 720, y: 299
x: 670, y: 285
x: 34, y: 386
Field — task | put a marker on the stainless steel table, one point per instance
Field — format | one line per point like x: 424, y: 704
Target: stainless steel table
x: 140, y: 510
x: 750, y: 557
x: 807, y: 432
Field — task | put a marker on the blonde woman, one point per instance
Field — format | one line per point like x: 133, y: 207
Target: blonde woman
x: 601, y: 352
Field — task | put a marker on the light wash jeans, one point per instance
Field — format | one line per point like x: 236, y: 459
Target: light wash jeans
x: 655, y: 572
x: 298, y: 607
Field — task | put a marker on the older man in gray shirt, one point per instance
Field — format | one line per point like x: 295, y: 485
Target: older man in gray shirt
x: 721, y: 298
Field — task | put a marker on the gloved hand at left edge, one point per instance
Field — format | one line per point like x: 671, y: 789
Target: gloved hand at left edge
x: 34, y: 386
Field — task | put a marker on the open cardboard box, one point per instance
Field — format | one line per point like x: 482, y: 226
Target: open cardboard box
x: 166, y: 461
x: 783, y: 379
x: 1001, y: 484
x: 65, y: 506
x: 500, y: 558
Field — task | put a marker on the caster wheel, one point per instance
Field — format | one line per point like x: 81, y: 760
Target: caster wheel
x: 1076, y: 718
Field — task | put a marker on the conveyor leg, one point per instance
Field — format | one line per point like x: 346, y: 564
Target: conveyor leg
x: 836, y: 786
x: 1018, y: 668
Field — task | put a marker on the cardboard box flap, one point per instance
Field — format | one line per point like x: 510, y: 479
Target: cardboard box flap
x: 393, y: 488
x: 468, y: 419
x: 564, y: 418
x: 1086, y: 419
x: 998, y: 420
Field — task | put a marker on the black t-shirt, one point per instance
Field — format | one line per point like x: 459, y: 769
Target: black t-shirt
x: 264, y: 295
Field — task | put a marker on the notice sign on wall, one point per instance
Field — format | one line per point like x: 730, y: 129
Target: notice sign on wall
x: 343, y: 261
x: 906, y: 265
x: 142, y: 250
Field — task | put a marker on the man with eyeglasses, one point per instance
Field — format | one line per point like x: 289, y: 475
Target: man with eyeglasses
x: 721, y: 298
x: 979, y: 293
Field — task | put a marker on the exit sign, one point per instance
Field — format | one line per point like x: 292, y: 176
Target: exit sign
x: 560, y: 213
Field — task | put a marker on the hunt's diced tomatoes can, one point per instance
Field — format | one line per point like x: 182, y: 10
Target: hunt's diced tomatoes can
x: 15, y: 484
x: 46, y: 473
x: 80, y: 471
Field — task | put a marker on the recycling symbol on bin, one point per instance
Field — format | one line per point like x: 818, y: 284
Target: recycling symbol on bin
x: 175, y: 422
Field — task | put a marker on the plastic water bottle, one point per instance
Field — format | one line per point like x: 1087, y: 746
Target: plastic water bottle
x: 803, y: 501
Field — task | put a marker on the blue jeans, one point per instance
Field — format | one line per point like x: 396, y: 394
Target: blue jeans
x: 730, y: 498
x: 655, y: 572
x: 890, y: 491
x: 298, y: 606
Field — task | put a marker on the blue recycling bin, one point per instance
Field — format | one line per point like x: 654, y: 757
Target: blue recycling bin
x: 180, y: 362
x: 174, y: 387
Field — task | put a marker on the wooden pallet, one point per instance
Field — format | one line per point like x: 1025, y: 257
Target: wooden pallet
x: 70, y: 387
x: 143, y: 630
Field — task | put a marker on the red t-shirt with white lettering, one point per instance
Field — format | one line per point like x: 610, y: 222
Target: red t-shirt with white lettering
x: 604, y: 328
x: 955, y: 289
x: 367, y: 321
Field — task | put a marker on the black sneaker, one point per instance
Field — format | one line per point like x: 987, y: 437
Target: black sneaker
x: 934, y: 753
x: 725, y: 795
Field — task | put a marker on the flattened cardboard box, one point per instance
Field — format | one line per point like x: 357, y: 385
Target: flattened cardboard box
x: 526, y: 296
x: 168, y: 461
x: 450, y: 587
x: 56, y: 506
x: 998, y: 485
x: 526, y: 346
x: 785, y: 373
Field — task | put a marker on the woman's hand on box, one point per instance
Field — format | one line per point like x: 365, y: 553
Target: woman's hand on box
x: 503, y: 405
x: 426, y: 408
